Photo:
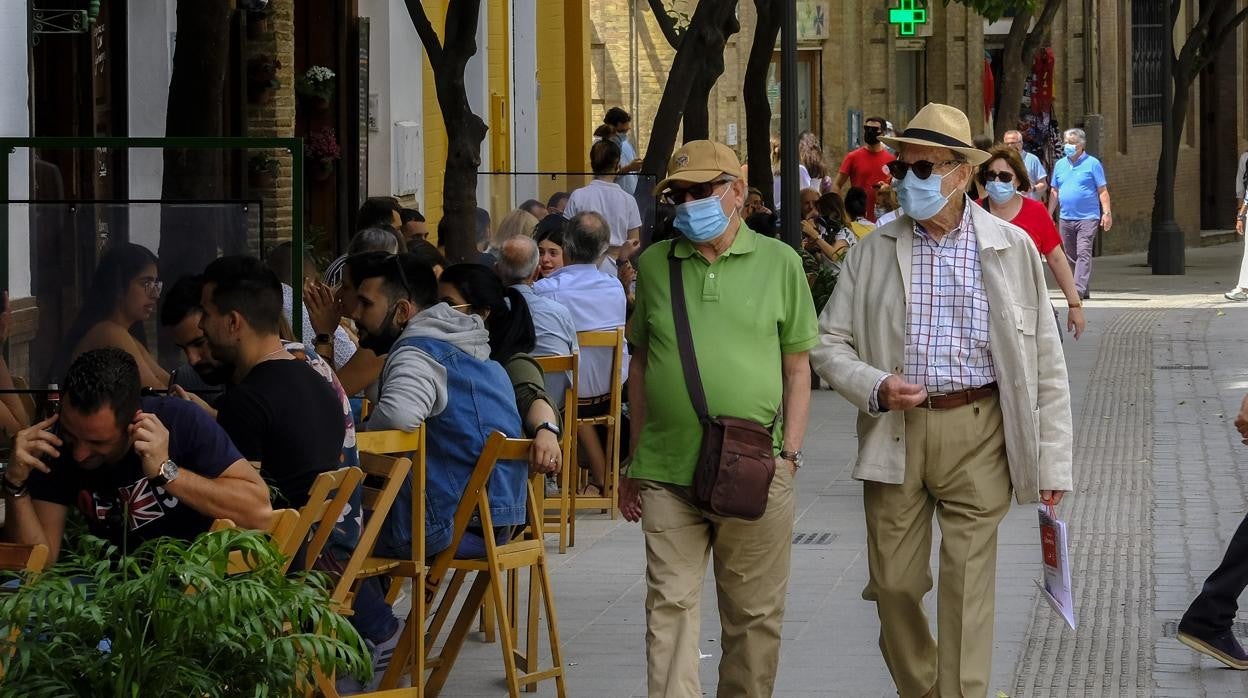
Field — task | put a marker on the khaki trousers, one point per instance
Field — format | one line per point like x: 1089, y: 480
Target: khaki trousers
x: 751, y: 576
x: 956, y: 468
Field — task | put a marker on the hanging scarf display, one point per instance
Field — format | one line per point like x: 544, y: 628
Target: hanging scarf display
x: 1042, y: 77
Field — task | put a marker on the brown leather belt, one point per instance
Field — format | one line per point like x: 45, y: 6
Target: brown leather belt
x: 947, y: 401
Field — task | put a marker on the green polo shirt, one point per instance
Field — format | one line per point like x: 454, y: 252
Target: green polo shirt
x: 746, y: 309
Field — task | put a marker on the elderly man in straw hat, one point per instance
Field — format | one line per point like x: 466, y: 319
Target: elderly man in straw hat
x: 938, y: 331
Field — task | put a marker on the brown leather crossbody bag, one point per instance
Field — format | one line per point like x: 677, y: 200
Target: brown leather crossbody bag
x: 735, y: 462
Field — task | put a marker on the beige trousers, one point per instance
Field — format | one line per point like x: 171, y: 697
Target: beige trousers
x: 751, y: 561
x: 956, y: 468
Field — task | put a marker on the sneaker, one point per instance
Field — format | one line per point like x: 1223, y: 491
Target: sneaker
x: 1222, y: 647
x: 382, y: 652
x: 1236, y: 295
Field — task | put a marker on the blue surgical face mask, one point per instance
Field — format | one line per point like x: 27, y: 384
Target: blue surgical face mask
x: 1069, y: 150
x: 921, y: 198
x: 702, y: 220
x: 1000, y: 192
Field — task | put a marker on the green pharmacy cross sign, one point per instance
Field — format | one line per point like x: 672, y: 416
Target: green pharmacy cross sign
x: 906, y: 16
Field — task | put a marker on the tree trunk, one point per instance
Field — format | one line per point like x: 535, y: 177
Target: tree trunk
x: 707, y: 29
x: 465, y: 130
x: 1015, y: 68
x: 189, y: 238
x: 1168, y: 161
x: 754, y: 94
x: 697, y: 119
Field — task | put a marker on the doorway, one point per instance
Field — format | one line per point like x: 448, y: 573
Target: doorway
x: 809, y: 97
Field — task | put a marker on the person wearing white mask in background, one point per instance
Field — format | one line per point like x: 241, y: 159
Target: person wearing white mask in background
x: 752, y: 325
x: 1081, y: 192
x: 621, y: 123
x: 1007, y: 182
x: 934, y: 334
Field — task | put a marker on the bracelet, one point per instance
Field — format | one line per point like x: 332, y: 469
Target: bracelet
x: 11, y: 489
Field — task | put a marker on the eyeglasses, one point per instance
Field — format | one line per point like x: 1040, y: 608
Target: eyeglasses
x: 1003, y: 177
x: 152, y: 287
x: 678, y: 195
x: 922, y: 168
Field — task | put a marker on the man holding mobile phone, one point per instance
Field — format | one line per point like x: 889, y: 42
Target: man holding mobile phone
x: 137, y: 467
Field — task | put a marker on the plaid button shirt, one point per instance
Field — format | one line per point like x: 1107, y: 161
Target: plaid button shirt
x: 947, y: 319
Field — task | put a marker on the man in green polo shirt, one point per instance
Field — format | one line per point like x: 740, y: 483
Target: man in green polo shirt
x: 753, y: 325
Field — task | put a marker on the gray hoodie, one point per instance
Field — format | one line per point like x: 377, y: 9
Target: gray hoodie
x: 413, y: 384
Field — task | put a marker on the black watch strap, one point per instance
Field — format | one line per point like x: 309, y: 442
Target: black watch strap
x: 548, y: 427
x: 12, y: 489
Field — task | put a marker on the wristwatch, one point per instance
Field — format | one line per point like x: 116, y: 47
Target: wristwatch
x: 551, y: 427
x: 794, y: 457
x: 9, y: 487
x: 168, y: 473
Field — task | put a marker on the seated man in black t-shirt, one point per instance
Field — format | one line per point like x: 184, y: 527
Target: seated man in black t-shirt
x: 137, y: 468
x: 277, y: 409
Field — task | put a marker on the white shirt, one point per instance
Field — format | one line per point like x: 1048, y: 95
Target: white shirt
x: 608, y: 200
x: 595, y: 301
x: 803, y: 181
x: 555, y: 336
x: 889, y: 217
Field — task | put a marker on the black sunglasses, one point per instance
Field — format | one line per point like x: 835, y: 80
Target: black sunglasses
x: 922, y: 168
x: 678, y: 195
x: 1003, y: 177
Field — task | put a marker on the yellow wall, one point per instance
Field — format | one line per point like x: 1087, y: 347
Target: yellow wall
x: 435, y: 131
x: 562, y: 107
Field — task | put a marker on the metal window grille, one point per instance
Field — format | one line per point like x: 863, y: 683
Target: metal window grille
x: 1148, y: 44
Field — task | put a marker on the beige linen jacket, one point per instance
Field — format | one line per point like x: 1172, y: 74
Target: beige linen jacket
x: 863, y: 334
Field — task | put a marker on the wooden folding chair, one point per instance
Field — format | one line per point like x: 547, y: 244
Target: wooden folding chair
x: 386, y: 474
x: 519, y: 553
x: 563, y: 522
x: 610, y: 499
x: 28, y: 559
x: 281, y: 531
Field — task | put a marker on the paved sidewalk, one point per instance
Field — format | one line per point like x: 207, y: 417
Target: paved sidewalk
x: 1161, y: 485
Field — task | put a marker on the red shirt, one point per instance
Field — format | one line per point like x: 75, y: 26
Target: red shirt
x: 1034, y: 218
x: 866, y: 168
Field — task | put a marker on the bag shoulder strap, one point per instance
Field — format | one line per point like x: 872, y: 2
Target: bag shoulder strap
x: 684, y: 337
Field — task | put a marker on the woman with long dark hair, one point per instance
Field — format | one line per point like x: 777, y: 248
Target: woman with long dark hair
x: 123, y: 295
x: 475, y: 289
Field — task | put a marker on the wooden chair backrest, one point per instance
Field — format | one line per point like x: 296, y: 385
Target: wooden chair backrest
x: 497, y: 448
x: 280, y: 529
x: 569, y: 363
x: 329, y: 495
x: 613, y: 339
x: 15, y: 557
x: 390, y: 441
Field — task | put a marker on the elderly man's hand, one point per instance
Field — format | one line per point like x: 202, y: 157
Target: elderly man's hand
x: 898, y: 395
x: 1241, y: 421
x: 630, y: 499
x: 809, y: 230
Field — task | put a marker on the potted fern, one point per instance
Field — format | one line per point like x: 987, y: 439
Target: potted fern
x: 169, y: 620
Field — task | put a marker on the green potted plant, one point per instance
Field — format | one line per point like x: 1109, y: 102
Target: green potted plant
x: 262, y: 171
x: 169, y: 620
x: 322, y: 151
x: 316, y: 86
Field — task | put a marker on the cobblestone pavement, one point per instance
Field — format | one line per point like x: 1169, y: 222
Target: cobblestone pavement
x: 1161, y: 486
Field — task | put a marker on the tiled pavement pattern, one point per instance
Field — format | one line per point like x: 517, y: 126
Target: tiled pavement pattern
x: 1162, y: 485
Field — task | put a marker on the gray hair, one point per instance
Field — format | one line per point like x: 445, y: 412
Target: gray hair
x: 517, y: 260
x: 1078, y: 134
x: 375, y: 239
x: 1014, y: 132
x: 585, y: 238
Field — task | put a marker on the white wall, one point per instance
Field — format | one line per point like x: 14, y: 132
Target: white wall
x: 396, y: 76
x: 15, y: 121
x: 150, y: 25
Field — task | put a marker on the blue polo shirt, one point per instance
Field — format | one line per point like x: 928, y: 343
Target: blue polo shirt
x: 1077, y: 184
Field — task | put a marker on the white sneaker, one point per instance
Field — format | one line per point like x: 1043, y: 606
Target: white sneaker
x: 1236, y: 295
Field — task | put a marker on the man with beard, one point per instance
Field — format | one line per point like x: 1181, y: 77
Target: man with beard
x: 438, y: 373
x: 867, y: 166
x: 137, y: 468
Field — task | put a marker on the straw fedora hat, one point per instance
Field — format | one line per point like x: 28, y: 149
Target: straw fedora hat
x: 940, y: 126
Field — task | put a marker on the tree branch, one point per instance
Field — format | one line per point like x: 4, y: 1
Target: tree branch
x: 461, y: 28
x: 1215, y: 41
x: 1039, y: 36
x: 1175, y: 6
x: 428, y: 36
x: 667, y: 25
